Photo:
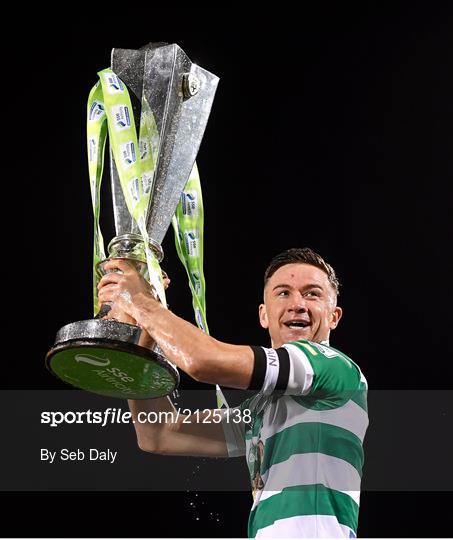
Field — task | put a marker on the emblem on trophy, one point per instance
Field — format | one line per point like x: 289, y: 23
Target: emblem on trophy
x: 153, y: 104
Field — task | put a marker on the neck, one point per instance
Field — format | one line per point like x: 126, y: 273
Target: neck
x: 321, y: 341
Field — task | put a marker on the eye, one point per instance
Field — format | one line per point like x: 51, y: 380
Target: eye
x: 283, y: 293
x: 313, y: 293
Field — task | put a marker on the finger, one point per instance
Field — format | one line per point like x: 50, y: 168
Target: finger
x: 110, y: 287
x: 107, y: 300
x: 109, y: 278
x: 165, y: 279
x: 118, y: 264
x: 120, y: 315
x: 108, y: 293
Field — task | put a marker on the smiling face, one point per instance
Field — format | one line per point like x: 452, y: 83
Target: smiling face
x: 299, y: 303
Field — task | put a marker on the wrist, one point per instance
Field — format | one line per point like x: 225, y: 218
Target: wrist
x: 144, y: 306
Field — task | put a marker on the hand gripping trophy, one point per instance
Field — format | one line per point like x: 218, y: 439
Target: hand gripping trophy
x: 154, y: 182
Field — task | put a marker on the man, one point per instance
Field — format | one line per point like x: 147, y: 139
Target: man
x: 302, y: 432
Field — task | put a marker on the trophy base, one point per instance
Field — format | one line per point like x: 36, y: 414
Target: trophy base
x: 114, y: 366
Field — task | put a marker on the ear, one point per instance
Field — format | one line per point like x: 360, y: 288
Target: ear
x: 336, y: 316
x: 263, y: 316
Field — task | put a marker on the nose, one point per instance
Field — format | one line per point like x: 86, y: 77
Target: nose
x: 297, y: 304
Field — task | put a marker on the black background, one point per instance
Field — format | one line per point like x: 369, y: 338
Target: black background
x: 331, y: 128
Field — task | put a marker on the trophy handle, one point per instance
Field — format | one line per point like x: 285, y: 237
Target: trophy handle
x: 103, y: 311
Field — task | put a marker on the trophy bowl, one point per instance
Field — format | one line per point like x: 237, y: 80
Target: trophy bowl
x: 104, y: 356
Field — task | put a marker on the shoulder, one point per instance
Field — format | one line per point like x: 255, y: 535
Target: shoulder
x: 322, y: 355
x: 334, y: 374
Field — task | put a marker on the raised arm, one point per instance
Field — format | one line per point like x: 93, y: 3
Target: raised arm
x: 201, y: 356
x: 161, y: 429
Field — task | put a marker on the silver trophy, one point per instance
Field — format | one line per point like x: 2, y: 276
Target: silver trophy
x: 103, y: 355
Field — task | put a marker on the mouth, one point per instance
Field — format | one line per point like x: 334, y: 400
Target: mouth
x: 297, y: 324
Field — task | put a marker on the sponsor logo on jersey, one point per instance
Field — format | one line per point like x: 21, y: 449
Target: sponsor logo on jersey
x: 326, y: 351
x: 114, y: 83
x: 189, y: 203
x: 121, y: 117
x: 308, y: 347
x: 97, y: 111
x: 128, y: 155
x: 191, y: 242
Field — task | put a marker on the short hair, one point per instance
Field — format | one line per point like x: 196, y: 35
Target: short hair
x: 303, y: 256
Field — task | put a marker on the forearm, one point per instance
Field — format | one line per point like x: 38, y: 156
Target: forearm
x: 198, y: 354
x: 180, y: 341
x: 171, y: 433
x: 150, y: 430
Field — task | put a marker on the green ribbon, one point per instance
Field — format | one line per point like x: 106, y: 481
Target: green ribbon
x: 96, y: 137
x: 188, y: 226
x: 110, y: 109
x: 109, y: 104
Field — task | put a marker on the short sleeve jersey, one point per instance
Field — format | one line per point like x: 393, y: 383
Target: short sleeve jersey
x: 303, y: 446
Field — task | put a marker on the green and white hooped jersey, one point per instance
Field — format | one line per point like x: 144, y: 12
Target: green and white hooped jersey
x: 303, y: 444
